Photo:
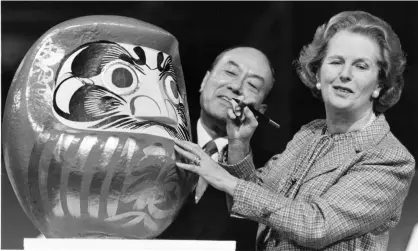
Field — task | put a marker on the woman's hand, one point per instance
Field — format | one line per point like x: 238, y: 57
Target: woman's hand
x: 203, y: 165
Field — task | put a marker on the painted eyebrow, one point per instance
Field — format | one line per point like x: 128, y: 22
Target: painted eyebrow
x: 168, y: 67
x: 131, y: 61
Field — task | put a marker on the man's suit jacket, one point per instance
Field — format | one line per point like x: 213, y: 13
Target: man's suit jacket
x: 210, y: 218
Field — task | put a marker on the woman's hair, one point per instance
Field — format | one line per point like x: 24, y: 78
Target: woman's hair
x: 390, y: 67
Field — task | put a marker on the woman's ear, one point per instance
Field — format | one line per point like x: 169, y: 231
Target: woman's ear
x: 375, y: 93
x: 202, y: 85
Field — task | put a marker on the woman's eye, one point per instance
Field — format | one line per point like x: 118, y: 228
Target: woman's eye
x: 335, y: 62
x: 362, y: 66
x: 172, y: 90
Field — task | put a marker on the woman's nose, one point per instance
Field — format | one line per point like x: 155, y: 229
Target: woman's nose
x: 345, y: 78
x: 345, y: 75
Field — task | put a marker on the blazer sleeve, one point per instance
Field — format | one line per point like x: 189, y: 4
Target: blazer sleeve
x: 367, y: 198
x: 246, y: 170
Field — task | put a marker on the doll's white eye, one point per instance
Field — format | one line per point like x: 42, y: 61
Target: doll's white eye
x: 120, y: 78
x: 171, y: 89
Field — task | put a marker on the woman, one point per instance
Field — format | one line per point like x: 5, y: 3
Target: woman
x: 341, y: 182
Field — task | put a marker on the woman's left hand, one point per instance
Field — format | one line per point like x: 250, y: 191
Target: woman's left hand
x: 205, y: 167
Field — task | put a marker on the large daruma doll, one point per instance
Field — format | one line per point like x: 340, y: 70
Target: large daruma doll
x: 88, y: 130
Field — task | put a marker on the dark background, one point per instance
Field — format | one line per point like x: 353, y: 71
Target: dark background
x: 203, y: 30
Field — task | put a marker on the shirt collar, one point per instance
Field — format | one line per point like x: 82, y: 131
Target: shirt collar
x: 203, y: 137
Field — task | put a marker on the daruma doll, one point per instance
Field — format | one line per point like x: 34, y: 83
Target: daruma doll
x: 88, y: 130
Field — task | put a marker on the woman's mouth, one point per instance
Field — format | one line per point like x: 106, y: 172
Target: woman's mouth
x: 343, y: 90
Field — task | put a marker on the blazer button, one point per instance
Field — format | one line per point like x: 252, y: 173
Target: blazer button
x: 274, y: 238
x: 265, y: 213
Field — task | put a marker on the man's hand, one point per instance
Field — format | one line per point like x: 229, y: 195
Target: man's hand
x: 240, y: 127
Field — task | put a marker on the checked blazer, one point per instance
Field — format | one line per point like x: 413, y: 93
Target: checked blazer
x: 328, y: 192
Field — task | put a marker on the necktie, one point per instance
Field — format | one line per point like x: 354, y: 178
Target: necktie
x: 262, y: 238
x: 211, y: 149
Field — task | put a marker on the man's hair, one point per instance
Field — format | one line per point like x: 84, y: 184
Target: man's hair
x: 218, y: 58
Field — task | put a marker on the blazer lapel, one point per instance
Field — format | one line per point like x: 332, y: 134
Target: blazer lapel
x: 360, y: 141
x: 329, y: 163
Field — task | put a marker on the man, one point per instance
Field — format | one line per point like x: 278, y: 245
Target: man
x: 243, y: 73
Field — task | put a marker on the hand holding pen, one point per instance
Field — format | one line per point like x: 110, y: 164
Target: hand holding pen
x: 241, y: 125
x: 259, y: 116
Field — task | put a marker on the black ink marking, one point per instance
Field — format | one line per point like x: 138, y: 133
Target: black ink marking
x: 160, y: 58
x: 141, y: 54
x: 90, y: 103
x: 122, y: 78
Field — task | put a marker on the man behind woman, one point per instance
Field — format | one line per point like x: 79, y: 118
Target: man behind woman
x: 341, y: 181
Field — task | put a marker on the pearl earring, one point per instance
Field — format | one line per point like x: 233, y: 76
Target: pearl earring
x: 318, y: 86
x: 375, y: 94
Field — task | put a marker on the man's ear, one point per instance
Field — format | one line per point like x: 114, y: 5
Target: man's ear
x: 202, y: 85
x: 262, y: 108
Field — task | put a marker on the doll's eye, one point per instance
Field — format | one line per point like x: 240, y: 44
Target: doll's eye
x: 172, y: 90
x: 120, y: 78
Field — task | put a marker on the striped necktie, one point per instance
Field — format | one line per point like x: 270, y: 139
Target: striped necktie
x: 211, y: 149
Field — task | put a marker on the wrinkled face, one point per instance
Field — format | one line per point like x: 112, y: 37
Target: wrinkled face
x: 110, y: 87
x: 240, y: 72
x: 349, y: 73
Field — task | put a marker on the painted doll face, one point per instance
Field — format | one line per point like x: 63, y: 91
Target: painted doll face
x: 89, y: 125
x: 110, y: 87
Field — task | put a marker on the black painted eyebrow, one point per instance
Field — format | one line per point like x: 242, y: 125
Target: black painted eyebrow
x: 131, y: 61
x: 168, y: 68
x: 141, y: 54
